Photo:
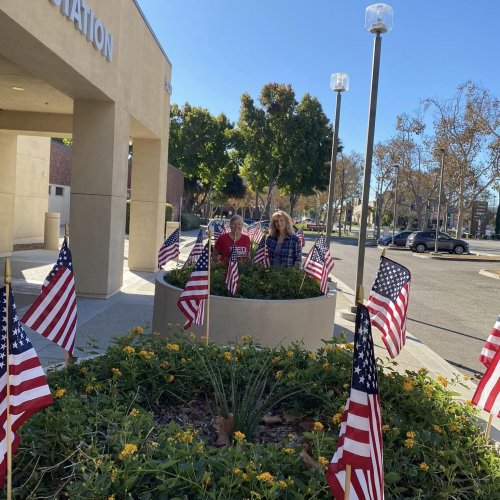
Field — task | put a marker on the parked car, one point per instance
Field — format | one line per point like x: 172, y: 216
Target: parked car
x: 399, y: 239
x: 420, y: 241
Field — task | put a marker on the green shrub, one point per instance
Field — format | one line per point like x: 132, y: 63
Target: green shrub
x: 107, y: 435
x: 190, y: 221
x: 169, y: 211
x: 256, y: 282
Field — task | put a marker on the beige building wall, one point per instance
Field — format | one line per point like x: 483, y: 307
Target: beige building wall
x: 31, y: 192
x: 8, y: 152
x: 101, y: 102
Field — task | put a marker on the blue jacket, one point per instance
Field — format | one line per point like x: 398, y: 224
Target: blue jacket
x: 291, y: 251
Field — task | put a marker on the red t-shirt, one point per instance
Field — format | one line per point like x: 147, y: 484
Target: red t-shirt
x: 225, y: 242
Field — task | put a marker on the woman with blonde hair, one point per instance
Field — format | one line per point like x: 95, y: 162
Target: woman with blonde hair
x: 284, y: 247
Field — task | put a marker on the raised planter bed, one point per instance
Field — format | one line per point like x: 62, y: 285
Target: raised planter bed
x: 269, y: 322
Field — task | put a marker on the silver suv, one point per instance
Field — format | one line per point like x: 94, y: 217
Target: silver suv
x: 420, y: 241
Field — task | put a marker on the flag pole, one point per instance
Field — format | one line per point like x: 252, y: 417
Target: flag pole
x: 488, y: 426
x: 8, y: 279
x: 208, y: 285
x: 347, y: 488
x: 305, y: 262
x: 67, y: 356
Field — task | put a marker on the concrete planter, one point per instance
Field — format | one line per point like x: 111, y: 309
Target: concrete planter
x: 269, y: 322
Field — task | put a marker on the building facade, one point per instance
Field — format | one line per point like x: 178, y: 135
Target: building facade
x: 92, y: 71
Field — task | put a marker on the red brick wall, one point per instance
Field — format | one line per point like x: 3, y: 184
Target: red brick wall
x: 60, y: 164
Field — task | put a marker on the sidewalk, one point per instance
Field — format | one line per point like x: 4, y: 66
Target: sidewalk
x: 99, y: 321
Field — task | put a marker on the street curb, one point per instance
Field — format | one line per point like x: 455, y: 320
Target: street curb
x: 486, y: 272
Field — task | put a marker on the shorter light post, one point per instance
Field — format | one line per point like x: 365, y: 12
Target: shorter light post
x: 438, y: 221
x: 339, y: 83
x: 395, y: 210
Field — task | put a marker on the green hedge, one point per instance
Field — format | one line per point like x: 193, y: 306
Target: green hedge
x: 190, y: 221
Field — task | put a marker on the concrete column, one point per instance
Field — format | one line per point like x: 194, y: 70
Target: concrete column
x: 8, y: 159
x: 147, y: 208
x: 98, y: 196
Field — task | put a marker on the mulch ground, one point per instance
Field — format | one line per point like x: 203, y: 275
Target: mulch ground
x: 28, y: 246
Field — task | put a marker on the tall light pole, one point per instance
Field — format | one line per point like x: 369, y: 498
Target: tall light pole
x: 439, y: 201
x: 395, y: 210
x: 378, y: 20
x: 339, y: 82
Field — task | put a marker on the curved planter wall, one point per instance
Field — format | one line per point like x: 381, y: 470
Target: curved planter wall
x: 269, y: 322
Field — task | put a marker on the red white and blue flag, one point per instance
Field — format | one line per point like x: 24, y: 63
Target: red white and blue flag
x: 53, y: 314
x: 388, y: 303
x: 360, y: 439
x: 196, y: 251
x: 170, y: 249
x: 492, y: 345
x: 487, y: 395
x: 262, y: 254
x: 319, y: 263
x: 192, y: 299
x: 300, y: 235
x: 218, y: 229
x: 255, y: 232
x: 28, y: 388
x: 232, y: 276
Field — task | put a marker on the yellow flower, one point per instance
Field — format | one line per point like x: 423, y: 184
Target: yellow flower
x: 138, y: 330
x: 111, y: 497
x: 338, y: 348
x: 323, y: 461
x: 326, y: 366
x: 290, y: 354
x: 265, y: 477
x: 84, y: 369
x: 239, y: 352
x: 428, y: 390
x: 113, y: 474
x: 288, y: 451
x: 192, y: 337
x: 278, y: 374
x: 239, y: 436
x: 276, y: 360
x: 165, y: 365
x: 154, y: 444
x: 318, y: 426
x: 185, y: 437
x: 282, y: 484
x: 345, y: 386
x: 424, y: 466
x: 246, y: 338
x: 60, y: 393
x: 237, y: 471
x: 350, y: 345
x: 207, y: 479
x: 437, y: 428
x: 203, y: 338
x: 128, y: 450
x: 128, y: 349
x: 411, y: 434
x: 170, y: 379
x: 385, y: 428
x: 442, y: 380
x: 311, y: 355
x: 173, y: 347
x: 408, y: 385
x: 146, y: 354
x: 337, y: 418
x: 89, y: 388
x: 409, y: 443
x: 453, y: 428
x: 134, y: 412
x: 116, y: 371
x: 227, y: 356
x: 423, y: 371
x: 251, y: 466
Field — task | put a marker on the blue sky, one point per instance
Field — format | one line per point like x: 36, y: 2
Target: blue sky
x: 222, y: 48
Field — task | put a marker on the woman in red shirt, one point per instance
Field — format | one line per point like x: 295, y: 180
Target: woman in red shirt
x: 222, y: 248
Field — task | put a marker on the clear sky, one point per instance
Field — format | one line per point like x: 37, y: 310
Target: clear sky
x: 222, y: 48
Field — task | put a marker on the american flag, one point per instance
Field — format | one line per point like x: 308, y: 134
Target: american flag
x: 388, y: 303
x: 300, y: 235
x: 487, y: 395
x: 196, y: 251
x: 192, y: 299
x: 319, y: 263
x: 360, y: 438
x: 255, y: 232
x: 28, y: 387
x: 232, y: 276
x: 218, y: 229
x: 170, y: 249
x: 262, y: 254
x: 492, y: 345
x: 53, y: 314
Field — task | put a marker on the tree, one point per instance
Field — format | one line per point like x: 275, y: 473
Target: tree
x: 200, y: 146
x: 467, y: 127
x: 284, y: 143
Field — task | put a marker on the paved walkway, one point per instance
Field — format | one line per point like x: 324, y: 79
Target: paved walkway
x: 99, y: 321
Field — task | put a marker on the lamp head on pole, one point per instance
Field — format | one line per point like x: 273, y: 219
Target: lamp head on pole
x: 378, y: 18
x: 339, y: 82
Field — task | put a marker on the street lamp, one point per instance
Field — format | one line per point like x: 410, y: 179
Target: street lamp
x: 378, y: 20
x: 439, y: 201
x: 395, y: 210
x: 339, y: 83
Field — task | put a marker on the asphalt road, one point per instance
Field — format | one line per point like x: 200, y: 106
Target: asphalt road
x: 452, y: 307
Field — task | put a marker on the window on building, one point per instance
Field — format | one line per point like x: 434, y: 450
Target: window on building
x: 59, y: 191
